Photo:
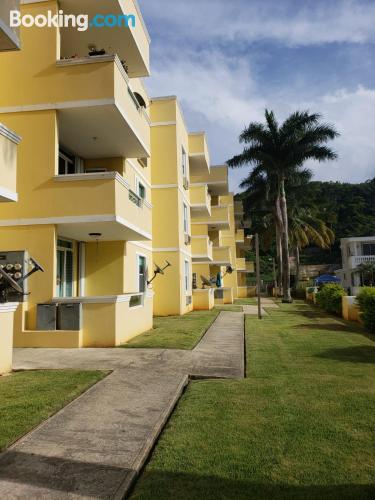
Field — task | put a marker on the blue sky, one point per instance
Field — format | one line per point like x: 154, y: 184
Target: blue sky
x: 229, y: 60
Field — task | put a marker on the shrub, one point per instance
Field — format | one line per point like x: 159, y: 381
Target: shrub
x: 330, y: 297
x: 366, y: 302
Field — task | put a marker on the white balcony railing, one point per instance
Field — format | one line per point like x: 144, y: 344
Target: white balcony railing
x: 361, y: 259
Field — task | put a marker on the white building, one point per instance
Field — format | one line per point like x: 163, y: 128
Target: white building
x: 355, y: 251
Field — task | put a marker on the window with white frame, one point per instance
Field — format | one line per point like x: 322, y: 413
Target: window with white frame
x: 142, y: 273
x: 141, y: 189
x: 186, y: 219
x: 184, y: 163
x: 187, y: 276
x: 64, y: 269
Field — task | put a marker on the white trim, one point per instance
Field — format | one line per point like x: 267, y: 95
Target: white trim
x: 202, y: 236
x: 163, y: 124
x: 104, y: 299
x: 212, y: 223
x: 82, y: 267
x: 9, y: 134
x: 8, y: 307
x: 138, y: 255
x: 9, y: 195
x: 196, y: 155
x: 214, y: 262
x: 140, y: 245
x: 206, y: 257
x: 165, y: 186
x: 206, y: 290
x: 75, y: 220
x: 96, y: 176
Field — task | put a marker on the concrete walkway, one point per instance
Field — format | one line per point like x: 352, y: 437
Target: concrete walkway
x: 96, y: 446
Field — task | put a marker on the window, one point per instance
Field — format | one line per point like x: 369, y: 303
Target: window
x: 141, y: 190
x: 186, y: 219
x: 368, y: 249
x: 187, y: 276
x: 66, y: 163
x: 64, y: 274
x: 142, y: 273
x: 70, y: 164
x: 184, y: 163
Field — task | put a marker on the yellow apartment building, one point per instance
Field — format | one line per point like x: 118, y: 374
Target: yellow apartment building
x: 243, y: 244
x: 9, y: 140
x: 217, y: 229
x: 84, y: 178
x: 172, y: 204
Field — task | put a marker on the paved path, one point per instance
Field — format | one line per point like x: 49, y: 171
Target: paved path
x: 96, y: 446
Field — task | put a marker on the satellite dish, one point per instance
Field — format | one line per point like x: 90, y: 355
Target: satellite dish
x: 11, y: 281
x: 205, y: 281
x: 158, y: 269
x: 36, y: 265
x: 229, y: 270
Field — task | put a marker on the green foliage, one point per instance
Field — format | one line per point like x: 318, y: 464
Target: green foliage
x: 329, y: 298
x: 366, y: 301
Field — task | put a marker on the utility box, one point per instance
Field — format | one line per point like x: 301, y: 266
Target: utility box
x: 46, y: 319
x: 219, y: 294
x: 15, y: 265
x: 69, y: 317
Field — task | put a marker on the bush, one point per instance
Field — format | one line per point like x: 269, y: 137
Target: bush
x: 366, y: 302
x: 330, y: 297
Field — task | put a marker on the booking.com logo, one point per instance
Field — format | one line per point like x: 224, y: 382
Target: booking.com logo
x: 81, y: 22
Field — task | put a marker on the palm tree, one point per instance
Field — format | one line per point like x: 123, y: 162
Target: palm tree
x: 259, y: 198
x: 279, y: 152
x: 305, y: 228
x: 367, y: 269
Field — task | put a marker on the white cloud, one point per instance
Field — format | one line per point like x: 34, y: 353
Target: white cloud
x: 291, y: 22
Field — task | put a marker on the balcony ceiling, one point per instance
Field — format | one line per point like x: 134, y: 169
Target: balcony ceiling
x: 111, y: 231
x: 98, y: 132
x: 120, y: 41
x: 198, y: 164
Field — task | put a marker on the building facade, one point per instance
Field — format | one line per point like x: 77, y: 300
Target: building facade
x: 354, y: 252
x: 9, y: 140
x: 84, y: 179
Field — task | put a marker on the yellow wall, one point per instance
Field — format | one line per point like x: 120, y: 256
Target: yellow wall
x: 105, y: 268
x: 6, y: 337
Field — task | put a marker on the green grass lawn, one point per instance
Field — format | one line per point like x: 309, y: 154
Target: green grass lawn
x: 299, y: 426
x: 246, y: 302
x: 28, y: 398
x: 175, y: 332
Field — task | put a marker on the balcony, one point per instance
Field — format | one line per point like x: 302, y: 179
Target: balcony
x: 9, y: 37
x: 217, y: 179
x: 200, y: 201
x: 222, y: 256
x: 201, y: 249
x: 240, y: 236
x: 250, y: 267
x: 240, y: 264
x: 219, y: 219
x: 84, y: 204
x: 8, y: 164
x: 361, y: 259
x: 99, y: 115
x: 199, y: 158
x: 132, y: 44
x: 244, y: 244
x: 238, y: 209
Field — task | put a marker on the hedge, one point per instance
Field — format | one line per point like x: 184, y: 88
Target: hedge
x: 366, y: 302
x: 330, y: 297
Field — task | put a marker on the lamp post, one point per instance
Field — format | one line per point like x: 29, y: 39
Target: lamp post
x: 258, y: 275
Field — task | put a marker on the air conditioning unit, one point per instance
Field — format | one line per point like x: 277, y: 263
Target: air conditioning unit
x: 95, y: 170
x: 186, y: 183
x: 187, y: 239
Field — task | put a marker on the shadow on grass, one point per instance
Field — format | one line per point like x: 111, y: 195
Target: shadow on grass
x: 332, y: 327
x: 356, y: 354
x: 168, y: 485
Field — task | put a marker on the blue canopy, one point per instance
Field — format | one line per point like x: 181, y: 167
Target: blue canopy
x: 326, y: 278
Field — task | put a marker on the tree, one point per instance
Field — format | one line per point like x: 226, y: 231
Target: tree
x: 279, y: 152
x: 306, y: 228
